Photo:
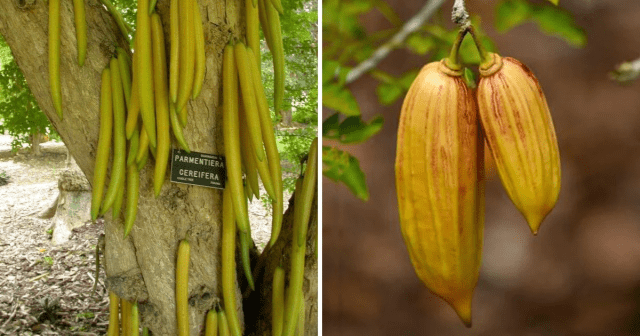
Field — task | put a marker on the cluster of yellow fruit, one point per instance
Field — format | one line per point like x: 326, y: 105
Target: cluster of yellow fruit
x: 440, y: 165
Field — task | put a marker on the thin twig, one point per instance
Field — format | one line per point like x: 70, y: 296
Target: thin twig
x: 15, y: 309
x: 627, y: 71
x: 383, y: 51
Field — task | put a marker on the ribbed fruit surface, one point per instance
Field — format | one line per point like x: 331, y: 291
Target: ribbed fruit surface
x: 520, y: 134
x: 439, y: 181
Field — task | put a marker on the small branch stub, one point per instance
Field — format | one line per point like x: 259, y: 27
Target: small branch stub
x: 459, y: 14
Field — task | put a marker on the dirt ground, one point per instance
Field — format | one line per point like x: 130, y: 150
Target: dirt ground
x: 47, y: 289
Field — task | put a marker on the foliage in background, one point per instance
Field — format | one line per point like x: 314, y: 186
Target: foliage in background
x: 300, y: 41
x: 347, y: 43
x: 20, y: 115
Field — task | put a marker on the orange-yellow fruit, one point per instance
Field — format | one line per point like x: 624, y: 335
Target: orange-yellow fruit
x: 520, y: 134
x: 439, y: 181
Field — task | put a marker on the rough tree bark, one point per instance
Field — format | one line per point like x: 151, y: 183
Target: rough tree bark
x: 142, y: 267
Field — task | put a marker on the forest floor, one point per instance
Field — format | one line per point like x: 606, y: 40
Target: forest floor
x: 46, y: 289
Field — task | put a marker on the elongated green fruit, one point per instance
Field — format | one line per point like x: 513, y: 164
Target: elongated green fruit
x: 230, y: 132
x: 253, y: 26
x: 81, y: 30
x: 277, y: 301
x: 248, y: 152
x: 174, y: 37
x: 265, y: 175
x: 134, y: 143
x: 301, y: 315
x: 143, y: 160
x: 211, y: 327
x: 114, y: 320
x: 248, y: 192
x: 183, y: 116
x: 119, y: 139
x: 54, y: 55
x: 124, y: 64
x: 199, y: 51
x: 264, y: 23
x: 278, y: 55
x: 177, y: 128
x: 228, y: 261
x: 291, y: 299
x: 245, y: 245
x: 187, y: 53
x: 278, y: 6
x: 273, y: 157
x: 145, y: 331
x: 162, y: 103
x: 104, y: 143
x: 249, y: 99
x: 152, y: 6
x: 117, y: 204
x: 133, y: 187
x: 308, y: 191
x: 135, y: 320
x: 133, y: 108
x: 182, y: 288
x: 126, y: 317
x: 222, y: 324
x: 248, y: 157
x: 124, y: 27
x: 302, y: 211
x: 145, y: 81
x: 143, y: 147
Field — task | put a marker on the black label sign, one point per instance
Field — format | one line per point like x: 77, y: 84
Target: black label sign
x: 201, y: 169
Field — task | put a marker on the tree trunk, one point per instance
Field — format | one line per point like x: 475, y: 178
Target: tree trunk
x: 35, y: 144
x: 141, y: 267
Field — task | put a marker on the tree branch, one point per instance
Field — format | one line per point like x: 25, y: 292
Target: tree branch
x: 627, y: 71
x: 383, y: 51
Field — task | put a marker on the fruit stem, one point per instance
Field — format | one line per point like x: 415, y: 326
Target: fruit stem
x: 484, y: 55
x: 452, y: 61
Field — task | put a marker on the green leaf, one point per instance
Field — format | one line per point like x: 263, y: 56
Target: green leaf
x: 407, y: 79
x: 341, y: 166
x: 420, y: 44
x: 556, y: 21
x: 329, y: 68
x: 470, y: 78
x: 555, y: 2
x: 331, y: 126
x: 511, y: 13
x: 551, y: 20
x: 338, y: 98
x: 469, y: 53
x: 351, y: 130
x: 354, y: 129
x: 389, y: 93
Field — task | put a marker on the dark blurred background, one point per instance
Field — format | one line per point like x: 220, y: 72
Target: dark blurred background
x: 581, y: 274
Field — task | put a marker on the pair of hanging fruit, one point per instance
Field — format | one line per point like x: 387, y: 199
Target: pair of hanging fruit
x: 440, y: 164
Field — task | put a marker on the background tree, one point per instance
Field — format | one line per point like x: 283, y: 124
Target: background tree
x: 142, y: 267
x: 20, y: 115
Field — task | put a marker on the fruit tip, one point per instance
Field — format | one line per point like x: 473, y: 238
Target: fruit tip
x: 534, y: 221
x: 462, y: 307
